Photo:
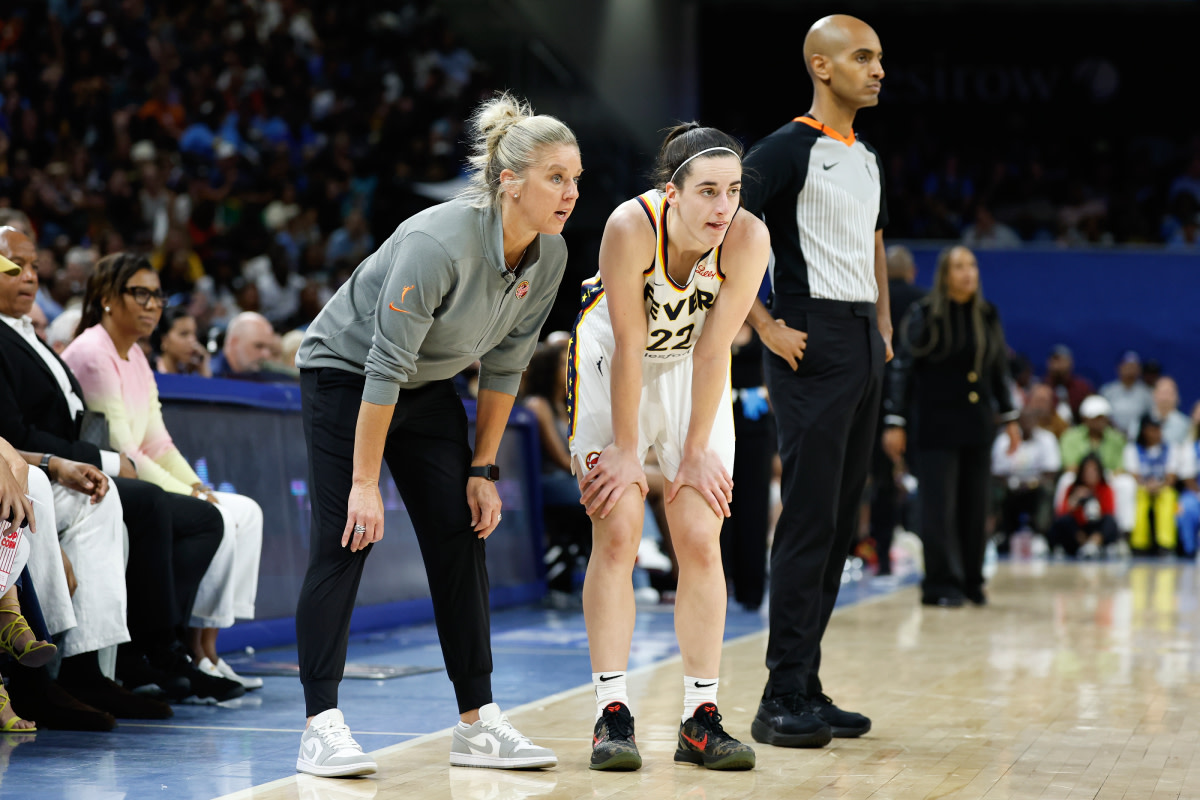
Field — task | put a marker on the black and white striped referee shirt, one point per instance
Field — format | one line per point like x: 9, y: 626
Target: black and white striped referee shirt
x: 822, y: 197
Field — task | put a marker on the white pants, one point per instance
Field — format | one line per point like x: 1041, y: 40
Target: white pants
x: 93, y: 537
x: 230, y: 585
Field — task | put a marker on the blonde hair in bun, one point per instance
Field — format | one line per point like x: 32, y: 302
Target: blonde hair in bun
x: 506, y: 134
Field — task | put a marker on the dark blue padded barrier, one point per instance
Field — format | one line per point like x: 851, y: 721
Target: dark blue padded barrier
x: 247, y: 437
x: 1099, y: 302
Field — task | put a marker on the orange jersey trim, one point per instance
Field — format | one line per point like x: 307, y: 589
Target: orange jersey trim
x: 828, y: 131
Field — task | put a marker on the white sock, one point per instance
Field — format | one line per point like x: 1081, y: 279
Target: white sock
x: 610, y: 688
x: 697, y: 691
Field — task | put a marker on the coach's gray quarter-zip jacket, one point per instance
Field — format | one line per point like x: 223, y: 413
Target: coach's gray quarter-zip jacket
x: 432, y: 299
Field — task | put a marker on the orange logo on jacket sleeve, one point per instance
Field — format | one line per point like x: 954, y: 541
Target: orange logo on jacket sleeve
x: 403, y: 292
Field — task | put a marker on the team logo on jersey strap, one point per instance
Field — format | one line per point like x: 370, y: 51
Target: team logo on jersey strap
x: 592, y: 458
x: 522, y: 289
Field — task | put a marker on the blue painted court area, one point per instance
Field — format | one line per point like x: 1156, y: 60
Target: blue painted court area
x: 207, y: 751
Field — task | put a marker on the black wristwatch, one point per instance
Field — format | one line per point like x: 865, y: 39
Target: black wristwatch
x: 45, y: 465
x: 489, y: 471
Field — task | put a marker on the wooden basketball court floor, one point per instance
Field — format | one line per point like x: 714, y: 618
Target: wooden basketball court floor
x: 1076, y: 681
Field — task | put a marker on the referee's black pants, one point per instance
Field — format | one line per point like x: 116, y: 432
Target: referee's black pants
x: 428, y: 455
x: 826, y: 412
x: 954, y: 487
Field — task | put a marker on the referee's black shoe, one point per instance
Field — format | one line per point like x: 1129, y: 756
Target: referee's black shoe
x: 790, y: 721
x: 844, y: 724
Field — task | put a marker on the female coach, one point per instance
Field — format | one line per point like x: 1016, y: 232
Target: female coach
x: 472, y: 278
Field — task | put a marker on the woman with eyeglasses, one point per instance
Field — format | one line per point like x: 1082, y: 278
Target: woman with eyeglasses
x: 122, y: 306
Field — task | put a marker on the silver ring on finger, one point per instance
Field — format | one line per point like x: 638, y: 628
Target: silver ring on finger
x: 360, y: 528
x: 499, y: 517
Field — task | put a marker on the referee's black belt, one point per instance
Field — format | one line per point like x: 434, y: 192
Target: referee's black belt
x: 820, y: 305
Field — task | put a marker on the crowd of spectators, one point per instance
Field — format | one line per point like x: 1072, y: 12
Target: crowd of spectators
x: 247, y: 148
x: 991, y: 201
x: 1097, y: 470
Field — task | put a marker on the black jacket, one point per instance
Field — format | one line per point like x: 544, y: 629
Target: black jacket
x: 942, y: 398
x: 34, y: 415
x: 902, y: 295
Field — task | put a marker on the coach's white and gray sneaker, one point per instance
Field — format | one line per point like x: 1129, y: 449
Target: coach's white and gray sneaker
x: 327, y: 749
x: 494, y: 742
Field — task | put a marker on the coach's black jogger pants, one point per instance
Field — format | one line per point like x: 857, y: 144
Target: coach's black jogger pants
x: 428, y: 455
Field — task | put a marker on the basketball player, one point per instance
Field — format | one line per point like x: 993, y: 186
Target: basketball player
x: 649, y: 366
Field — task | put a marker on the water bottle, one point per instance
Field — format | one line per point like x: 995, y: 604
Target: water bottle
x: 1021, y: 542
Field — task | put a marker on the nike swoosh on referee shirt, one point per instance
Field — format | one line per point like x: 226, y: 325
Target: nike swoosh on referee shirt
x: 831, y: 166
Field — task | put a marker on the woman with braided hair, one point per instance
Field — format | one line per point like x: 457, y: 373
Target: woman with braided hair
x: 947, y: 391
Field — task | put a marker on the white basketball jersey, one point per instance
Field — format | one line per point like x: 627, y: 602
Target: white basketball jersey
x: 675, y: 313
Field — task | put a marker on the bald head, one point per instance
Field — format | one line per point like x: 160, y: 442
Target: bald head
x: 248, y: 341
x: 842, y: 55
x: 900, y: 264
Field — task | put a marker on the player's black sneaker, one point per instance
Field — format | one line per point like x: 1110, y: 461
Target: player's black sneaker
x: 613, y: 745
x: 703, y: 741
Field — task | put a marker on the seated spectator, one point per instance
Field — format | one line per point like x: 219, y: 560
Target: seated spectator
x: 248, y: 342
x: 1129, y: 398
x: 279, y: 286
x: 289, y: 345
x: 1149, y: 460
x: 79, y: 546
x: 1025, y: 478
x: 17, y: 639
x: 1060, y: 376
x: 988, y: 233
x: 1094, y: 435
x: 123, y: 304
x: 174, y: 340
x: 1041, y: 399
x: 1175, y: 426
x: 1186, y: 469
x: 1151, y: 372
x: 568, y: 529
x: 178, y: 263
x: 1085, y: 522
x: 60, y: 332
x: 170, y: 543
x: 353, y: 240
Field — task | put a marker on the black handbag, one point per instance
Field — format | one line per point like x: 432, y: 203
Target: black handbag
x: 93, y: 429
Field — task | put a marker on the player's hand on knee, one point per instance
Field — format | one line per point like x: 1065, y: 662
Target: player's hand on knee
x: 485, y: 505
x: 704, y: 471
x: 602, y: 487
x: 364, y: 516
x: 787, y: 343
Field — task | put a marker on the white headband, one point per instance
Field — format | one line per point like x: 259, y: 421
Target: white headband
x: 697, y: 155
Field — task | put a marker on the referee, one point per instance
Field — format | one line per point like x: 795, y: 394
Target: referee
x: 820, y: 190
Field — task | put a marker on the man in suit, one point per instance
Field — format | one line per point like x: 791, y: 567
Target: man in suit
x: 172, y: 538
